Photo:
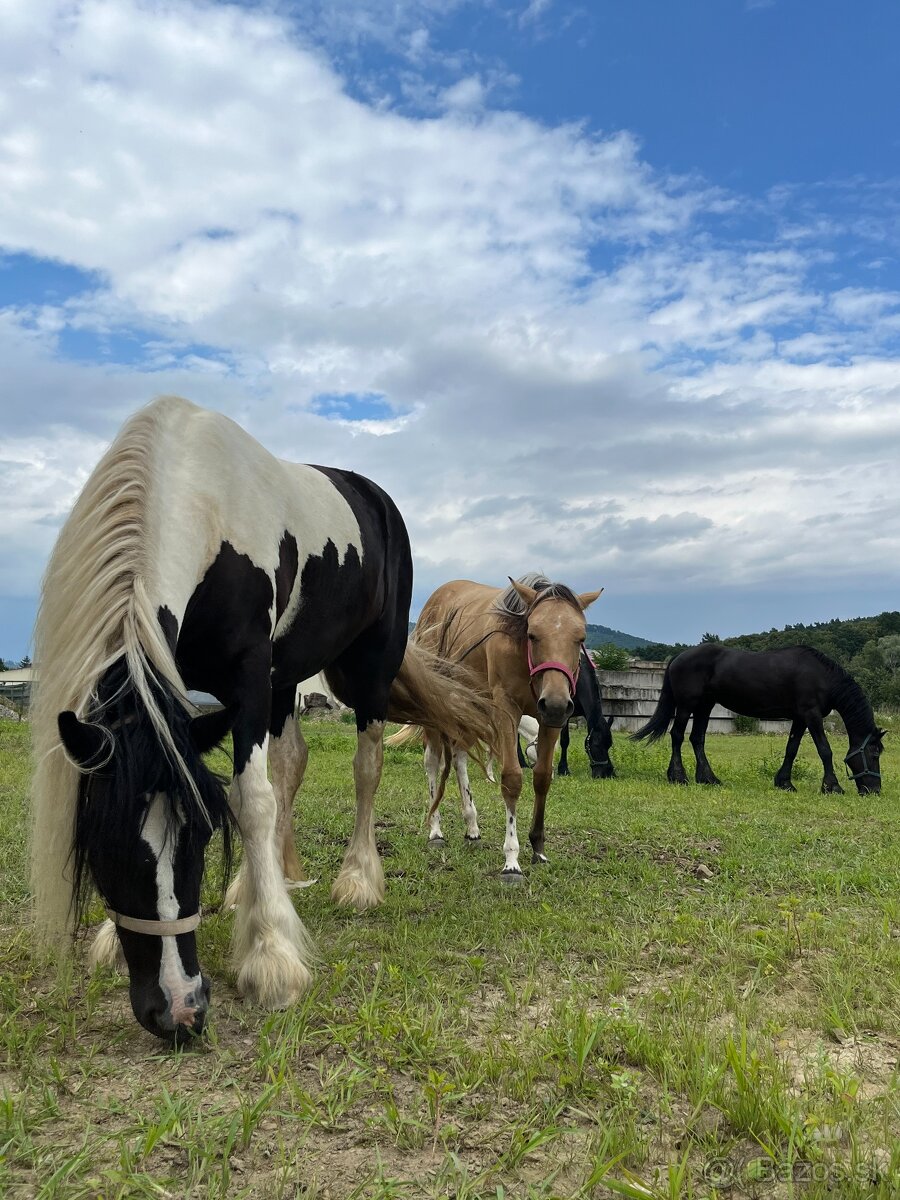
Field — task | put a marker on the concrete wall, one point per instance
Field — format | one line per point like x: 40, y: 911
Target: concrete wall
x: 631, y: 696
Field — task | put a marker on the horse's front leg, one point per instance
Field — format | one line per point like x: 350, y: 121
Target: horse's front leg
x: 676, y: 772
x: 288, y: 755
x: 817, y: 733
x: 360, y: 883
x: 543, y: 777
x: 795, y: 737
x: 271, y: 950
x: 563, y: 767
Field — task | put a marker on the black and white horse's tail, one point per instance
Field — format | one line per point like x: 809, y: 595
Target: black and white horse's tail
x: 658, y: 724
x: 443, y: 698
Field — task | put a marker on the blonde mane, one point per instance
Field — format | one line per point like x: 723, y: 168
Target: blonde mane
x: 94, y: 610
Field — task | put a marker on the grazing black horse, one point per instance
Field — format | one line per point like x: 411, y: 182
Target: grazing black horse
x: 796, y: 682
x: 589, y: 704
x: 195, y: 559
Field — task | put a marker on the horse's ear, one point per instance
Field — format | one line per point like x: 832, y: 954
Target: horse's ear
x: 88, y: 745
x: 609, y: 721
x: 882, y: 733
x: 586, y: 599
x: 526, y: 594
x: 209, y: 729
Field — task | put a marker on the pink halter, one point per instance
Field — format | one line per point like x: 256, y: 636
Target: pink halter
x: 553, y: 666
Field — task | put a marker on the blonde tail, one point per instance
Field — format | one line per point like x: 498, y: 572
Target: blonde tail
x: 444, y: 699
x: 406, y: 735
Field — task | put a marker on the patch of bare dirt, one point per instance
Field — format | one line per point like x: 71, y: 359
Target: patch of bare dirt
x: 870, y: 1059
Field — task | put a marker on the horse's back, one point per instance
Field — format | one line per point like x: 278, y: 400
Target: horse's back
x: 764, y: 683
x: 247, y: 547
x: 461, y: 593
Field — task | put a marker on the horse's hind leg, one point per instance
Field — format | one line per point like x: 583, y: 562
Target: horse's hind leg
x: 360, y: 882
x: 817, y: 733
x: 705, y: 773
x: 437, y: 769
x: 795, y: 737
x: 288, y: 756
x: 469, y: 812
x: 676, y: 772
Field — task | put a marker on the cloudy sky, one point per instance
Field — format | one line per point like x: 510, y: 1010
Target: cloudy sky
x: 606, y: 289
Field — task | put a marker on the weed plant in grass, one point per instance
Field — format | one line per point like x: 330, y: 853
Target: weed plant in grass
x: 697, y: 998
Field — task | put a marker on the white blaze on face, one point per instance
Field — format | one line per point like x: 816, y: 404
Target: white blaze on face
x: 182, y: 991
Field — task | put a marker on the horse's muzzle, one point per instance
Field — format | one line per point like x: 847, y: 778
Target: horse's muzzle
x: 554, y: 714
x: 180, y: 1025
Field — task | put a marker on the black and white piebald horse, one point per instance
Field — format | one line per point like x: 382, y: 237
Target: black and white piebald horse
x: 598, y: 742
x: 796, y: 682
x: 195, y: 559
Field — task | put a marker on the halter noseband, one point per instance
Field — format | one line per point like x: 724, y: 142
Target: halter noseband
x: 595, y: 762
x: 155, y: 928
x: 861, y: 749
x: 552, y: 665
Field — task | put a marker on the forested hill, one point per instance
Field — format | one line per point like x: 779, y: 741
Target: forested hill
x: 868, y: 647
x: 602, y: 635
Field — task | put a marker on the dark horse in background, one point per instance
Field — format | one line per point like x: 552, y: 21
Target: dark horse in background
x: 796, y: 682
x: 589, y: 704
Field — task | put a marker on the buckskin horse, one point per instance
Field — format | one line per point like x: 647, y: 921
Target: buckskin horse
x: 195, y: 559
x: 523, y: 644
x: 796, y: 682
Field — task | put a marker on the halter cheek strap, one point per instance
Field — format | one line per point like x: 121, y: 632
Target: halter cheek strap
x: 155, y: 928
x: 552, y: 665
x: 861, y: 749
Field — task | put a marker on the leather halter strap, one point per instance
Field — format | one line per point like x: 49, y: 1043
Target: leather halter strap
x: 553, y: 665
x: 154, y: 928
x: 861, y: 749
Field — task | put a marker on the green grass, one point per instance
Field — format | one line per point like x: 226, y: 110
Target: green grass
x: 699, y: 997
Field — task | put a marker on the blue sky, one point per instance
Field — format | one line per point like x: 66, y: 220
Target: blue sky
x: 609, y: 290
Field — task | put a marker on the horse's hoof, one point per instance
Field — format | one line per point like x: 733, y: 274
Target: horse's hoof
x: 437, y: 842
x: 508, y: 875
x: 472, y: 841
x: 540, y: 860
x: 785, y: 787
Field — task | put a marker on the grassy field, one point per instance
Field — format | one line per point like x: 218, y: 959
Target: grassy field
x: 699, y: 997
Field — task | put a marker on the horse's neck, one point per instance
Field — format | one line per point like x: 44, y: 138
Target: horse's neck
x: 851, y: 705
x: 593, y: 701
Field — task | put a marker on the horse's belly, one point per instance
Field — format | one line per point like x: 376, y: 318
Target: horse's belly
x: 753, y: 705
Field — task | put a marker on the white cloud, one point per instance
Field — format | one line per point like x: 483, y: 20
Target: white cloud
x: 632, y: 396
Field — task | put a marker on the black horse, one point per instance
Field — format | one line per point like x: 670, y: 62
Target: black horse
x: 589, y: 704
x: 797, y: 682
